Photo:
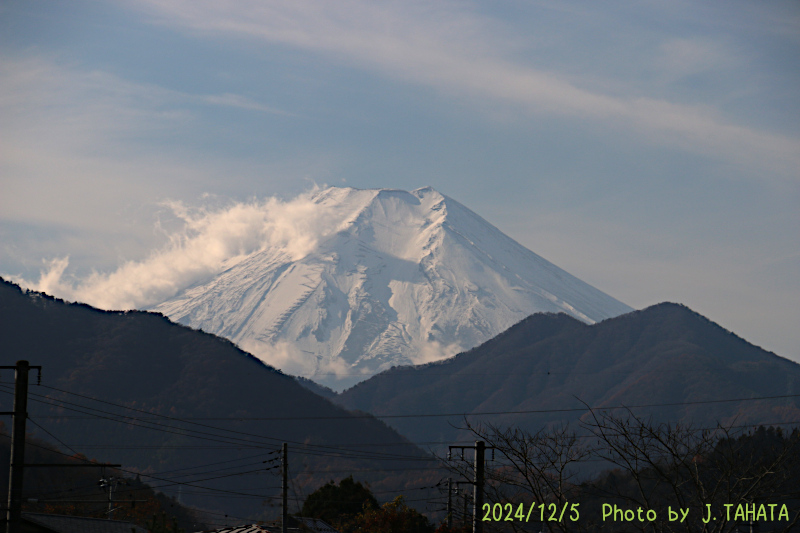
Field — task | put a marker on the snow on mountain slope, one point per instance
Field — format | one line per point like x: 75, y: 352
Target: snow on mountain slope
x: 400, y: 278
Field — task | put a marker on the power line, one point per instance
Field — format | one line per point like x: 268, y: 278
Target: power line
x: 32, y: 421
x: 486, y: 413
x: 314, y: 449
x: 218, y: 462
x: 428, y: 372
x: 480, y: 413
x: 188, y: 474
x: 132, y: 472
x: 375, y: 455
x: 351, y: 454
x: 543, y: 411
x: 183, y: 431
x: 320, y: 450
x: 338, y: 452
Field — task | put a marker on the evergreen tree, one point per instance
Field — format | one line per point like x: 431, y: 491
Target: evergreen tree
x: 336, y: 504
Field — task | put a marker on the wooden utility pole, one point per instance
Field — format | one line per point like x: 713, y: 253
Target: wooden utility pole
x: 17, y: 462
x: 466, y: 509
x: 449, y: 503
x: 285, y: 489
x: 110, y: 483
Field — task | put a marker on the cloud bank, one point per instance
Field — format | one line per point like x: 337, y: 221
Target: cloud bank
x: 207, y: 241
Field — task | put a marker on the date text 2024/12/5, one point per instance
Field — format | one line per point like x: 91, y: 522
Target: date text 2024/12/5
x: 517, y: 513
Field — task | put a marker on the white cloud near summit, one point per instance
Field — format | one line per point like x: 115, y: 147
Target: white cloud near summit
x: 207, y: 241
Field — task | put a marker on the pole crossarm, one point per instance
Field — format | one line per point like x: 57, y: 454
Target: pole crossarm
x: 462, y: 448
x: 68, y: 465
x: 38, y: 369
x: 37, y: 500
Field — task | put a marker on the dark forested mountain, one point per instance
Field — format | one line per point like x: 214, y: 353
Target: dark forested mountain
x: 550, y: 362
x: 186, y: 407
x: 202, y: 420
x: 75, y: 490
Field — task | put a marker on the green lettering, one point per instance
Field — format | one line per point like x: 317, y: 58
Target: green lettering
x: 750, y: 512
x: 772, y: 507
x: 739, y: 513
x: 762, y: 512
x: 784, y: 513
x: 728, y: 511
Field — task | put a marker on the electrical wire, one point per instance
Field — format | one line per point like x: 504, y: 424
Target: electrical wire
x: 461, y: 414
x: 67, y: 446
x: 375, y: 455
x: 323, y: 450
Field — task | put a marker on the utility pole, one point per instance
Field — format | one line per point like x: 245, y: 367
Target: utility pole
x: 466, y: 509
x: 449, y: 503
x: 480, y: 454
x: 465, y: 494
x: 285, y: 489
x: 17, y: 462
x: 111, y: 483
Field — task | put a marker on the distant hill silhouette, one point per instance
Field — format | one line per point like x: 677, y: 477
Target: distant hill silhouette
x: 666, y: 353
x: 83, y: 495
x: 143, y: 361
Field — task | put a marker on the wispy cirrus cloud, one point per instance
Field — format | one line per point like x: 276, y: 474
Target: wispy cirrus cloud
x: 237, y: 100
x: 447, y: 46
x: 74, y: 140
x: 34, y: 88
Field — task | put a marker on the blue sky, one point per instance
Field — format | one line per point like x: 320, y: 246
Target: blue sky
x: 650, y: 148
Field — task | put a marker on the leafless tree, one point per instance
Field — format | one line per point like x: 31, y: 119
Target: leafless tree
x: 702, y: 475
x: 702, y: 470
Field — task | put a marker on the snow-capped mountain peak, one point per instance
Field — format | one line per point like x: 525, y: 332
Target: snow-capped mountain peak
x: 392, y: 277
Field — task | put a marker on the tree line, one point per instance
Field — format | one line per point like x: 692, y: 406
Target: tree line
x: 622, y: 472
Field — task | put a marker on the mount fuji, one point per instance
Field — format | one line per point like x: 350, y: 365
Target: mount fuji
x: 398, y: 278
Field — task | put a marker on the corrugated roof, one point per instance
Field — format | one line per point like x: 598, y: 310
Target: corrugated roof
x: 316, y: 525
x: 297, y: 525
x: 79, y: 524
x: 252, y: 528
